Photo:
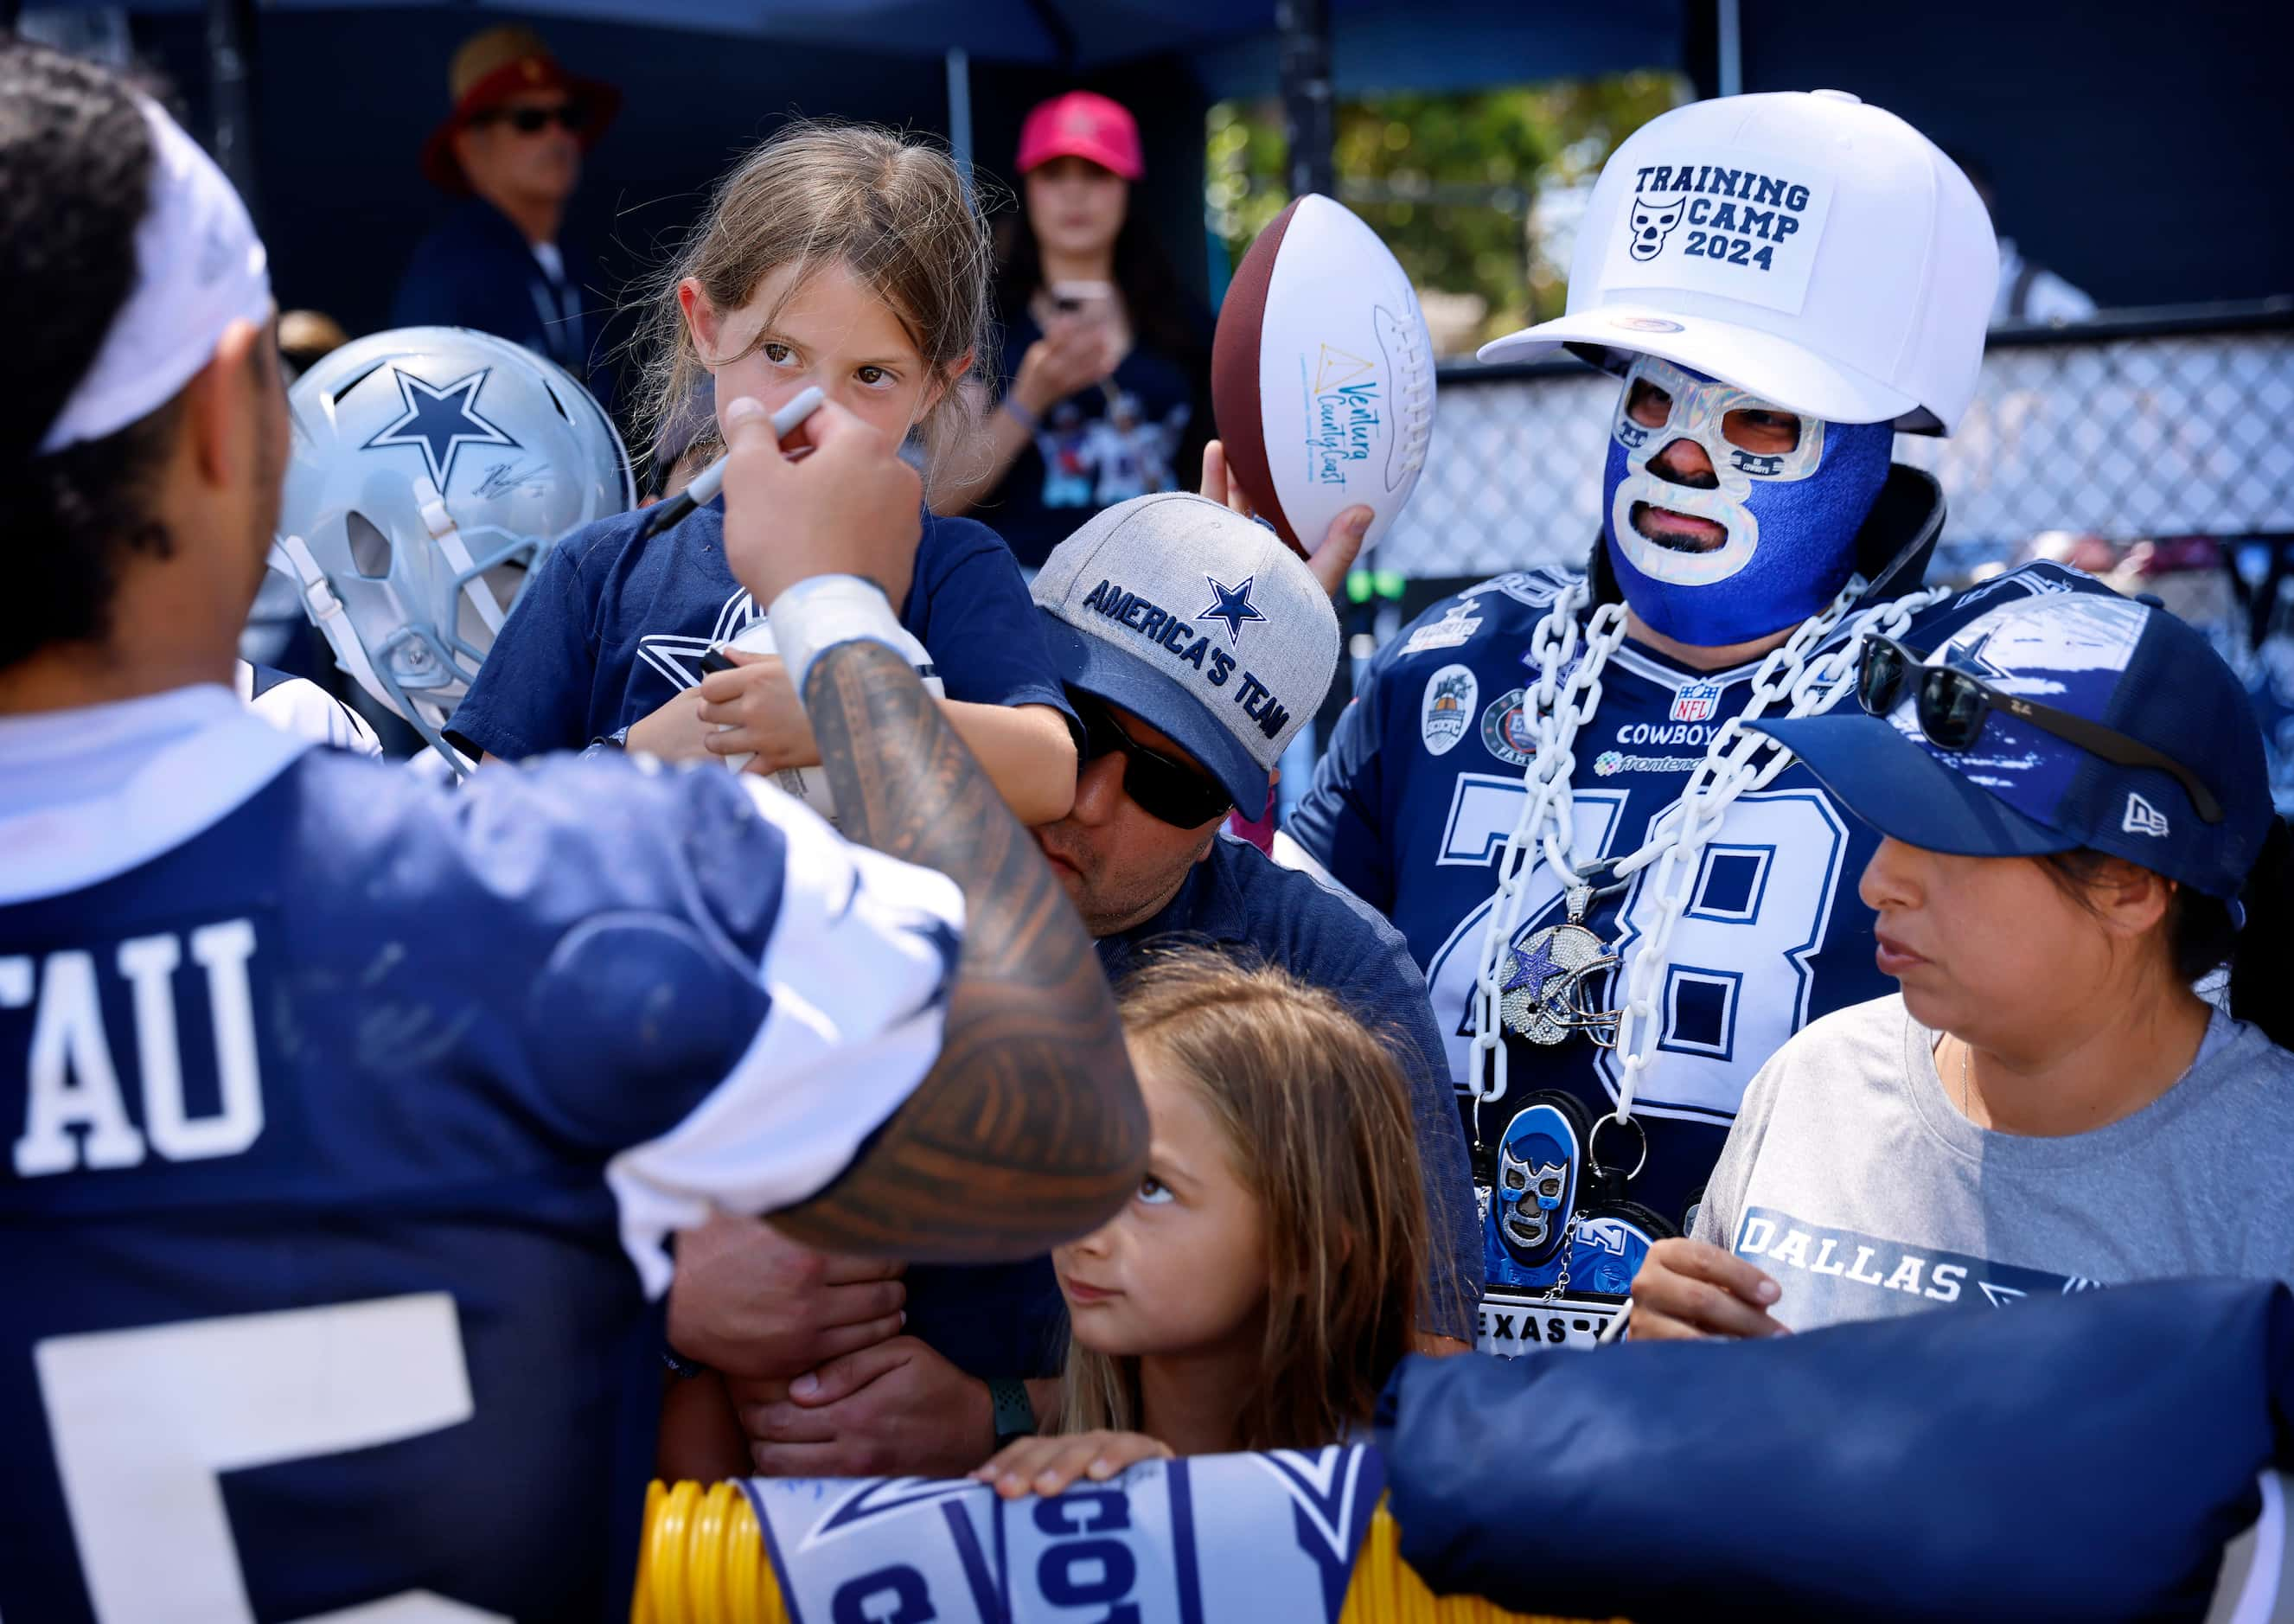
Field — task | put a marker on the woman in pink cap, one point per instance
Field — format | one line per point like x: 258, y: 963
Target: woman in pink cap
x: 1105, y: 391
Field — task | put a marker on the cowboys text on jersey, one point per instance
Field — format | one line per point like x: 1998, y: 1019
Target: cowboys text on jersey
x: 1413, y: 804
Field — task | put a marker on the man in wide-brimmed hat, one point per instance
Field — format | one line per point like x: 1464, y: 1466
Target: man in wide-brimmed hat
x: 512, y: 150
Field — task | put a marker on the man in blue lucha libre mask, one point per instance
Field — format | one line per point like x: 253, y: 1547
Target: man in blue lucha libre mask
x: 1727, y: 516
x: 1781, y: 283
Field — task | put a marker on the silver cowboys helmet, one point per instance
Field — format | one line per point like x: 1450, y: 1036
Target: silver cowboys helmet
x: 432, y: 466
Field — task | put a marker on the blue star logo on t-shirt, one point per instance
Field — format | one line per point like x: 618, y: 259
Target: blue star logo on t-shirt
x: 440, y: 421
x: 1231, y: 604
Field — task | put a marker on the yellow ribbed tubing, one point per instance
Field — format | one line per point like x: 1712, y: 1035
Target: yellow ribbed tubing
x: 702, y: 1561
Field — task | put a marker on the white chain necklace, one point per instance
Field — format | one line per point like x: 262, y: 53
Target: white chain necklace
x: 1735, y: 761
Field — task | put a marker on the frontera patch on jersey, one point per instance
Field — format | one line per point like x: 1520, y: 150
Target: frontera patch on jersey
x: 440, y: 421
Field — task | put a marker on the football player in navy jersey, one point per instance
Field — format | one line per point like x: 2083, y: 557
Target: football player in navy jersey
x: 302, y: 706
x: 347, y: 1118
x: 1623, y: 903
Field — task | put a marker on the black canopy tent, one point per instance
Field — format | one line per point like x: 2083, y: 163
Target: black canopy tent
x: 318, y: 109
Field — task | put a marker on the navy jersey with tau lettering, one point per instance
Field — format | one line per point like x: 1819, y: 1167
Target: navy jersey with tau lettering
x: 611, y: 629
x: 345, y: 1118
x: 1410, y: 808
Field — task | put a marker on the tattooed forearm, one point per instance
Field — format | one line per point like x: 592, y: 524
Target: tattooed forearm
x: 1028, y: 1131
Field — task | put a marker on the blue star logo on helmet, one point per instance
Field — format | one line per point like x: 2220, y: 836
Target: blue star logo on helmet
x: 440, y: 421
x: 1532, y: 969
x: 1231, y: 604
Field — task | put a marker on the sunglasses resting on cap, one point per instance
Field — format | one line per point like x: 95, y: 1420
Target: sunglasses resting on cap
x: 1952, y: 705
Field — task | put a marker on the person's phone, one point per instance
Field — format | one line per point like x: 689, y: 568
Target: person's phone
x: 1071, y: 298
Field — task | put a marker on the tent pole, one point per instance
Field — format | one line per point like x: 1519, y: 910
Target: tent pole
x: 230, y: 77
x: 1731, y: 51
x: 1304, y: 29
x: 959, y: 112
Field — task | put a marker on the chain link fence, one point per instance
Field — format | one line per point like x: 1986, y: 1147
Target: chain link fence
x: 2155, y: 449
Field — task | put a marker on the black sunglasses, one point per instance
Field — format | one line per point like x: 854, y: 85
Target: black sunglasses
x: 1166, y: 789
x: 1953, y: 703
x: 573, y: 117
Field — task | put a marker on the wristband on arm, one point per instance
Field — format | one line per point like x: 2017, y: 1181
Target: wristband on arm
x: 821, y: 611
x: 1015, y: 1416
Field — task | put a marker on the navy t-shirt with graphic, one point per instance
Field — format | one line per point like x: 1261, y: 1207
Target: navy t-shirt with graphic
x: 1105, y: 444
x: 611, y: 629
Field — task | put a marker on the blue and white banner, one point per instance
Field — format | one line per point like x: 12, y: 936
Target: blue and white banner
x: 1264, y: 1538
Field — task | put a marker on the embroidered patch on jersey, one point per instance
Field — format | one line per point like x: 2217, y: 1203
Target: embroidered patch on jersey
x: 1458, y: 624
x: 1505, y: 729
x: 1447, y: 709
x: 1535, y: 589
x: 2143, y: 817
x: 1695, y: 701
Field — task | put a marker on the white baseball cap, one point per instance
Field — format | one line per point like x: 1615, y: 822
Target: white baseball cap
x: 1823, y: 254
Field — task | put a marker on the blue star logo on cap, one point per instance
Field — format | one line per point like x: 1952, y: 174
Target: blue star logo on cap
x: 440, y: 421
x: 1231, y: 604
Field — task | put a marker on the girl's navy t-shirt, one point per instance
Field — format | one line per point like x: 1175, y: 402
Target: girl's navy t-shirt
x: 610, y: 629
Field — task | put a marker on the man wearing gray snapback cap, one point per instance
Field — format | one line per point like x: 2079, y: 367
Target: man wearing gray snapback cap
x: 1195, y: 646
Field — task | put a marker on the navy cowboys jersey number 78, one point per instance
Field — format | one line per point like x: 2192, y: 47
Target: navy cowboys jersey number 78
x: 1410, y: 808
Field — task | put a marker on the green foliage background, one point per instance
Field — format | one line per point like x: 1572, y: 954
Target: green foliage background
x: 1450, y: 182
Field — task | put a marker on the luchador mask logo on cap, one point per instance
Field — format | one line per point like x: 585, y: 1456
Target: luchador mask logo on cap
x: 1653, y: 223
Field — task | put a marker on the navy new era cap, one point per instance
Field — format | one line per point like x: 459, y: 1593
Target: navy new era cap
x: 2021, y: 791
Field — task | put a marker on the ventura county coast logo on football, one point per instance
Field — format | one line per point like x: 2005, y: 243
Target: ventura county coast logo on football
x: 1344, y: 411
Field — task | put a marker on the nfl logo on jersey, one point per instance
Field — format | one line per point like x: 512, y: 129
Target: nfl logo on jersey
x: 1695, y: 701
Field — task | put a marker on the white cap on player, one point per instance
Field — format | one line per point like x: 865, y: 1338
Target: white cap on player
x: 1823, y: 254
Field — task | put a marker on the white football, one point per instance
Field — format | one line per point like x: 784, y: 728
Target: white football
x: 1322, y: 374
x: 810, y: 785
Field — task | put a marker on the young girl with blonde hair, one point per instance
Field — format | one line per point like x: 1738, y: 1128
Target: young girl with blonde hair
x: 845, y: 257
x: 1263, y: 1283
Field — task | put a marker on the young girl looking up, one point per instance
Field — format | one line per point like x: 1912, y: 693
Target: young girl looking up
x: 1261, y: 1286
x: 2079, y: 828
x: 846, y: 257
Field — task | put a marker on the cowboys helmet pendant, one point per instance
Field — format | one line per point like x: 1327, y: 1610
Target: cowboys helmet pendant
x: 1541, y: 998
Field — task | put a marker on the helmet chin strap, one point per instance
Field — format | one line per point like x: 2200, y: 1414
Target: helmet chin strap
x: 457, y: 552
x: 290, y: 555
